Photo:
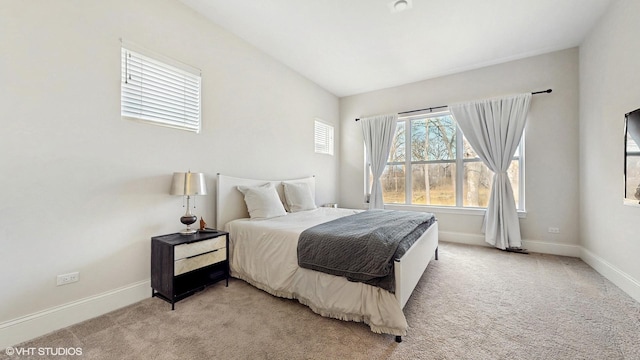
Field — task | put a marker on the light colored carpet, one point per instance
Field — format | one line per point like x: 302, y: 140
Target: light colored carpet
x: 474, y: 303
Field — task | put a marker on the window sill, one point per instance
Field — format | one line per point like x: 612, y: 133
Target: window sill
x: 445, y: 209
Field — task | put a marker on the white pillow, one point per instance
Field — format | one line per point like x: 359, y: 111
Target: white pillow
x: 298, y: 196
x: 262, y: 201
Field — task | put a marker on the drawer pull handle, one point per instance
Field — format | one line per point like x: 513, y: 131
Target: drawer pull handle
x: 204, y: 253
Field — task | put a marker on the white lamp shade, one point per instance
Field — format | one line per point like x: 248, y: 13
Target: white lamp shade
x: 188, y: 184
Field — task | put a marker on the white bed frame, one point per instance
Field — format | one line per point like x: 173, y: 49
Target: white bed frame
x: 230, y: 205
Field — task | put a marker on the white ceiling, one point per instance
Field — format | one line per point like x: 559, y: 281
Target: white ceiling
x: 355, y: 46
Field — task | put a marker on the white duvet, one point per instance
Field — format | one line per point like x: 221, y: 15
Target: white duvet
x: 264, y: 253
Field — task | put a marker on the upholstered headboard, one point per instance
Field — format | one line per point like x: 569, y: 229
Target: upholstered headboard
x: 230, y: 203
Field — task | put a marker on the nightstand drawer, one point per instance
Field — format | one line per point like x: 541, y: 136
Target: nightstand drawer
x: 195, y: 248
x: 185, y: 265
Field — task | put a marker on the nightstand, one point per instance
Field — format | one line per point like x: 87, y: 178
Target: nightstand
x: 184, y: 264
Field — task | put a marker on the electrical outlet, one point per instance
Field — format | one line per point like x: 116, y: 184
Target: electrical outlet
x: 68, y: 278
x: 554, y: 230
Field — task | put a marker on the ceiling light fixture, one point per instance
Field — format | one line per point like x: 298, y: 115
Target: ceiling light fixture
x: 400, y: 5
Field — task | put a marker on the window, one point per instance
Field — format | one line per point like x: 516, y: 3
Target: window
x: 632, y: 158
x: 431, y: 163
x: 159, y: 93
x: 323, y: 138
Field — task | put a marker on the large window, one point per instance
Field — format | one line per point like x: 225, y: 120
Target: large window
x: 163, y: 92
x: 431, y: 163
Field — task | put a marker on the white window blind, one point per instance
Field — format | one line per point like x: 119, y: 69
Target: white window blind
x: 323, y: 138
x: 159, y: 93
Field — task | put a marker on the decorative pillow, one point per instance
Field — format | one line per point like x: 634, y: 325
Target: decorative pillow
x: 298, y: 196
x: 262, y: 201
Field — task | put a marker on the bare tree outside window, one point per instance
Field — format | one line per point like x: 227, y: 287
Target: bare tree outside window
x: 433, y: 148
x: 393, y: 177
x: 426, y: 148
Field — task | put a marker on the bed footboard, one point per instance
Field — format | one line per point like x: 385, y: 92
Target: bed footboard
x: 409, y: 269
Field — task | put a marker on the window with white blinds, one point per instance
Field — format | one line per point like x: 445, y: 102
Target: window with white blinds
x: 156, y: 92
x: 323, y: 138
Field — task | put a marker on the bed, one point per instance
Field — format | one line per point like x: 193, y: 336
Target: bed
x: 264, y: 254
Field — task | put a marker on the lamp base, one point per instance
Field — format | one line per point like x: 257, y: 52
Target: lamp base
x: 188, y: 219
x: 188, y: 231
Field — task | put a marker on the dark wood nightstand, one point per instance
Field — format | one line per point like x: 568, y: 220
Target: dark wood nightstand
x: 184, y: 264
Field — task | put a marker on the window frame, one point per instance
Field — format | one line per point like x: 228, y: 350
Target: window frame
x: 326, y: 147
x: 631, y: 152
x: 179, y: 85
x: 459, y: 162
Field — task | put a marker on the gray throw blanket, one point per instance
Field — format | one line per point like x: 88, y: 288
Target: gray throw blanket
x: 362, y: 246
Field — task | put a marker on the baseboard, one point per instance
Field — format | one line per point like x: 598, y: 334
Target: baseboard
x: 28, y: 327
x: 621, y: 279
x: 531, y: 245
x: 551, y: 248
x: 462, y: 238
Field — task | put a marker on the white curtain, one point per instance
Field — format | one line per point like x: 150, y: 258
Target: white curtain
x: 378, y: 132
x: 494, y: 128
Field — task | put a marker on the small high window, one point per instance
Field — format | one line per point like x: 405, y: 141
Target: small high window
x: 323, y: 137
x: 160, y: 93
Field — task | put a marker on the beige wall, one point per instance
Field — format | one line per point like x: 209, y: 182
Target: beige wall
x: 84, y: 190
x: 551, y: 142
x: 609, y: 88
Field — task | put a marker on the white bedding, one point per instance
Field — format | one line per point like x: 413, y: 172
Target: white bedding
x: 264, y: 253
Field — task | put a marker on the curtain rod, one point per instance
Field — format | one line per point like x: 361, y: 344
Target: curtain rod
x: 444, y: 106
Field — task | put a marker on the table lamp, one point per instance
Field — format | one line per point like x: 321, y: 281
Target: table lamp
x: 188, y: 184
